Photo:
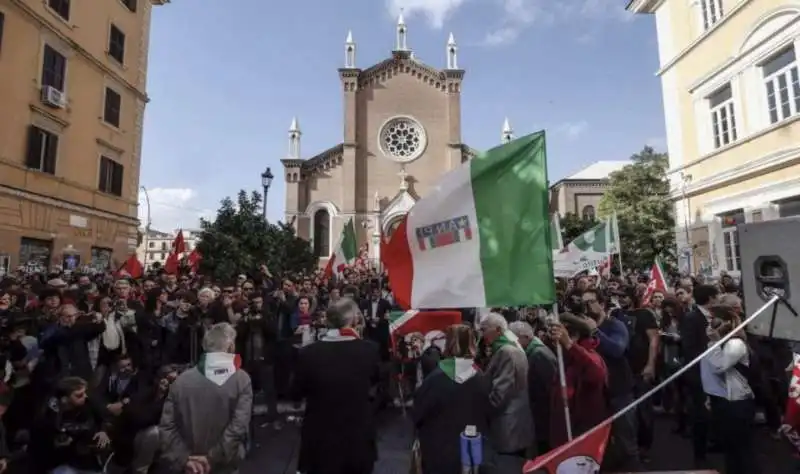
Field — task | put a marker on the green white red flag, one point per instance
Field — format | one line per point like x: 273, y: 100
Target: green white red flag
x: 345, y: 253
x: 658, y: 282
x: 482, y: 238
x: 591, y: 250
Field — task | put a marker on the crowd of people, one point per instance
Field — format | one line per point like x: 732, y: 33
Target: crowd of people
x: 104, y: 373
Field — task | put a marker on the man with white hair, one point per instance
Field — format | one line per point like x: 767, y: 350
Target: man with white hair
x: 335, y: 377
x: 206, y: 417
x: 511, y: 428
x: 542, y: 367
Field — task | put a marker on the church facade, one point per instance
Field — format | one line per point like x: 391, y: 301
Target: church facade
x: 401, y: 132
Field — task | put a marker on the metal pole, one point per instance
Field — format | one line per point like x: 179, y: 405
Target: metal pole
x: 686, y: 179
x: 146, y: 226
x: 266, y: 190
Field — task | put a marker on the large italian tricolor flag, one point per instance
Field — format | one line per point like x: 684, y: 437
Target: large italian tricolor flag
x: 345, y: 253
x: 482, y: 238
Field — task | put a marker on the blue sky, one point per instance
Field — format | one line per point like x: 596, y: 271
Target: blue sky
x: 226, y: 77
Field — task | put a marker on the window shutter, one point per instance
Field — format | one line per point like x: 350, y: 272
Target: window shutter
x: 50, y: 154
x: 102, y: 185
x: 33, y: 158
x: 116, y: 178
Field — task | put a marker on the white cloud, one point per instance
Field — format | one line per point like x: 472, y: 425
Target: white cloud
x: 172, y: 208
x: 436, y: 11
x: 572, y: 130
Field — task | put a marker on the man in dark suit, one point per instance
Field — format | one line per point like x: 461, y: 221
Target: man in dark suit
x: 335, y: 377
x: 376, y: 314
x: 694, y: 341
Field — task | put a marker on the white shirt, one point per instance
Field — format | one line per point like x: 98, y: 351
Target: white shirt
x: 719, y: 376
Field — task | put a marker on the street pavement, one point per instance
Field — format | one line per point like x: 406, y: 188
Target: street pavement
x: 275, y: 452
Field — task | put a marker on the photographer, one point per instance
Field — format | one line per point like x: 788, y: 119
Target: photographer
x: 729, y: 376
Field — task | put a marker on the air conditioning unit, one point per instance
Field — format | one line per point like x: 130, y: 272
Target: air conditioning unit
x: 54, y: 97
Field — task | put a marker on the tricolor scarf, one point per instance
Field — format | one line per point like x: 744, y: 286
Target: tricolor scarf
x: 507, y: 338
x: 339, y: 335
x: 457, y: 369
x: 218, y: 367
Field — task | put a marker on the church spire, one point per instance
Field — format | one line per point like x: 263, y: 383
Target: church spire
x: 294, y: 140
x: 349, y: 51
x: 508, y: 132
x: 402, y: 31
x: 452, y: 53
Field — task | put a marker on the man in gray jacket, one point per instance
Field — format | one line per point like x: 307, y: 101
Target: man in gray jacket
x: 206, y: 417
x: 511, y: 427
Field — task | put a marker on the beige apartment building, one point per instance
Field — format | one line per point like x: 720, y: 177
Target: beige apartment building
x: 731, y: 90
x: 580, y: 193
x: 72, y: 100
x: 401, y: 132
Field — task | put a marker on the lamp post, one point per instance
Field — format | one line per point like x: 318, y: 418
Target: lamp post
x: 266, y: 182
x: 146, y: 225
x: 685, y: 180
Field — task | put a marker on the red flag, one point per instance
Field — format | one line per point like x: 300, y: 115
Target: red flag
x: 791, y: 419
x: 178, y: 245
x: 193, y: 260
x: 583, y: 454
x: 658, y: 282
x: 133, y: 267
x: 172, y: 264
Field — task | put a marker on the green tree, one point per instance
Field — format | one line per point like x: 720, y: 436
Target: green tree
x: 639, y: 193
x: 239, y: 239
x: 573, y: 226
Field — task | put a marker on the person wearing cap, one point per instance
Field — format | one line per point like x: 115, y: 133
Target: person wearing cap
x: 586, y: 378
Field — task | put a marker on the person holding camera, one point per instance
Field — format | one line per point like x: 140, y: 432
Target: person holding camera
x: 729, y: 376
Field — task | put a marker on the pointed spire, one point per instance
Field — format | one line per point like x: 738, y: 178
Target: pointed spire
x: 452, y: 53
x: 349, y: 51
x: 508, y: 132
x: 402, y: 43
x: 294, y: 139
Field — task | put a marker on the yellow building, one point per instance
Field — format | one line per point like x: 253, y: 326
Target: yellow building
x: 731, y: 87
x: 72, y: 100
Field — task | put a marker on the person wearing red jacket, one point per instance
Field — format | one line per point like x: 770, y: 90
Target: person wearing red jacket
x: 586, y: 379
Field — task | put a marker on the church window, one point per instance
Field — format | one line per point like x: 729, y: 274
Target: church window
x: 402, y: 139
x: 322, y: 233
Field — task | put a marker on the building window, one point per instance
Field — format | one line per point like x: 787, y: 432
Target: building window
x: 34, y: 254
x: 712, y: 12
x: 723, y: 116
x: 5, y: 264
x: 42, y: 150
x: 782, y: 81
x: 116, y: 44
x: 588, y: 213
x: 322, y: 233
x: 151, y: 245
x: 130, y: 4
x: 54, y: 68
x: 110, y: 176
x: 789, y: 207
x: 111, y: 109
x: 730, y: 240
x: 60, y: 6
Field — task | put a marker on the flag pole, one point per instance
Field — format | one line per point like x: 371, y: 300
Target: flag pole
x: 562, y: 377
x: 632, y: 406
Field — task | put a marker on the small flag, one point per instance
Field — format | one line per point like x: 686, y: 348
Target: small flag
x: 132, y: 266
x: 658, y: 282
x: 345, y: 253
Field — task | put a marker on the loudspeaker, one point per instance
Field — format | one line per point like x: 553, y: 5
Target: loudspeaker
x: 770, y: 264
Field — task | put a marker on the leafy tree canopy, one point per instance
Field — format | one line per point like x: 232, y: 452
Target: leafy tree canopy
x: 573, y: 226
x: 239, y: 240
x: 639, y: 193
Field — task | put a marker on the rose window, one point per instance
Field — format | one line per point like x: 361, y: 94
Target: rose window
x: 402, y: 139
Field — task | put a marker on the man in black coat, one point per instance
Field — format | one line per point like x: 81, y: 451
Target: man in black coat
x: 694, y: 341
x: 334, y: 376
x: 376, y: 314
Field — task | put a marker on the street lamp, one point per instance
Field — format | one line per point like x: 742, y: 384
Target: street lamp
x: 266, y: 182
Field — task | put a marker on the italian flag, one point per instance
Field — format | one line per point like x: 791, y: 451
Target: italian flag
x: 556, y: 239
x: 345, y: 253
x: 658, y: 282
x: 482, y: 238
x: 407, y: 322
